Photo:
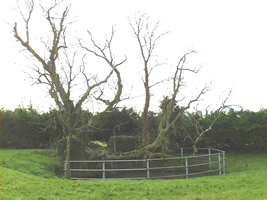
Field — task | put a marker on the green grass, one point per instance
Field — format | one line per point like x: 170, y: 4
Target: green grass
x: 41, y: 163
x: 21, y: 179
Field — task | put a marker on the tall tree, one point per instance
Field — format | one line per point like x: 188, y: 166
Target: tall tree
x: 147, y: 37
x: 58, y: 69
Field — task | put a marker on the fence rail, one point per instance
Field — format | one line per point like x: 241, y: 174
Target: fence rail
x: 208, y: 161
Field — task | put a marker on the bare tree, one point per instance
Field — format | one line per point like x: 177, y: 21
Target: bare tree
x: 167, y: 120
x: 199, y: 130
x: 60, y: 72
x: 147, y: 39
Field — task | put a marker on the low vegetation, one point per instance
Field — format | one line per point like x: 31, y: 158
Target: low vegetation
x: 26, y: 174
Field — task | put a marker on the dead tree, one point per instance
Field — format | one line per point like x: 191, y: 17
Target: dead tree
x: 167, y: 120
x: 199, y: 131
x: 147, y: 39
x: 60, y: 73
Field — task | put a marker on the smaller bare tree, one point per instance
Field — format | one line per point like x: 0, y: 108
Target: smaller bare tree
x: 198, y: 129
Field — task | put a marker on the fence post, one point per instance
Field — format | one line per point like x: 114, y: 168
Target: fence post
x: 147, y: 169
x: 220, y: 164
x: 65, y: 166
x: 209, y: 159
x: 182, y: 152
x: 186, y: 168
x: 224, y: 167
x: 103, y: 170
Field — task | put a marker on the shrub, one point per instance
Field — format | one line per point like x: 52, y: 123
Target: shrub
x: 77, y: 150
x: 22, y: 129
x: 122, y: 143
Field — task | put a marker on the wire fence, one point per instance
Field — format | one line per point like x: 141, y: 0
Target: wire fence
x: 206, y: 162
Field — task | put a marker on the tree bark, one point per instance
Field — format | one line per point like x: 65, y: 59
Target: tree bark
x: 68, y: 143
x: 145, y: 122
x: 195, y: 150
x: 160, y: 143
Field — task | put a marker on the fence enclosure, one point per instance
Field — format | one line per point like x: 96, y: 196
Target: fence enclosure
x: 208, y: 161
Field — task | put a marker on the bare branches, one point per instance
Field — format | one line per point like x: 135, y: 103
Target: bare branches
x: 50, y: 71
x: 57, y: 33
x: 177, y: 78
x: 101, y: 51
x: 27, y: 46
x: 199, y: 130
x: 106, y: 54
x: 146, y: 36
x: 30, y: 6
x: 147, y: 39
x: 167, y: 122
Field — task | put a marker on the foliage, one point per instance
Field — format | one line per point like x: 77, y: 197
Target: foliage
x: 22, y: 128
x: 77, y: 152
x: 51, y: 127
x: 233, y: 131
x: 239, y: 131
x: 26, y: 128
x: 115, y: 123
x: 122, y: 143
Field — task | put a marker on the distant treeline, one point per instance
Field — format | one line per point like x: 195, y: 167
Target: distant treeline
x: 234, y: 131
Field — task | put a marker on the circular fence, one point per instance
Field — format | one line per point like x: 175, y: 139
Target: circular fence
x: 206, y: 162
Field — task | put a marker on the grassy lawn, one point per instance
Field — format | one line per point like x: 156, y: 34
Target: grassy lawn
x: 25, y: 175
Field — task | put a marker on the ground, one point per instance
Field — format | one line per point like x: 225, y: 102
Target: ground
x: 26, y: 174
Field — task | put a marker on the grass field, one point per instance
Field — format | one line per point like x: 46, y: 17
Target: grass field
x: 26, y: 174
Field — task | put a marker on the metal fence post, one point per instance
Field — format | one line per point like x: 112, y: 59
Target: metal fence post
x: 65, y: 166
x: 224, y: 167
x: 209, y: 159
x: 104, y: 170
x: 147, y: 169
x: 182, y: 152
x: 220, y: 164
x: 186, y: 168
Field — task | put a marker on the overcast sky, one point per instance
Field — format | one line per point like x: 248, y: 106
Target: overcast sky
x: 230, y: 37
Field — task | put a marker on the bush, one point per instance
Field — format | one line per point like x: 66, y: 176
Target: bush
x: 122, y: 143
x: 117, y: 122
x: 77, y: 149
x: 21, y: 129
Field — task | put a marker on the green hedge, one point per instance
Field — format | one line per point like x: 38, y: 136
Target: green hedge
x: 22, y: 129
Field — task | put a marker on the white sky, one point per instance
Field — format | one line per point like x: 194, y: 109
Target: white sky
x: 229, y: 36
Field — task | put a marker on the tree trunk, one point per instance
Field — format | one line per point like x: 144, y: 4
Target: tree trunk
x: 145, y: 118
x: 145, y: 128
x: 195, y: 148
x: 68, y: 172
x: 159, y: 144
